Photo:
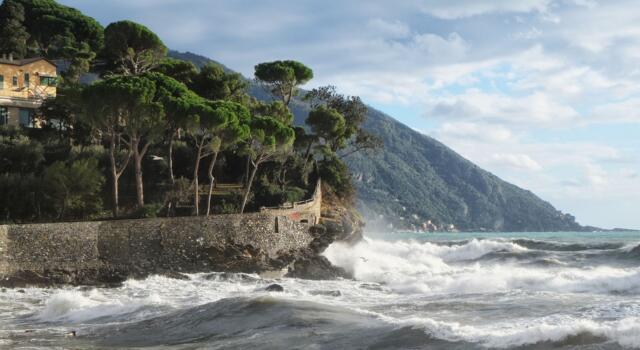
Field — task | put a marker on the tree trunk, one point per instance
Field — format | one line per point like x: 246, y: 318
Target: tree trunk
x: 170, y: 160
x: 196, y: 170
x: 114, y: 175
x: 246, y: 170
x: 137, y: 158
x: 281, y: 177
x: 248, y: 190
x: 211, y: 181
x: 305, y: 176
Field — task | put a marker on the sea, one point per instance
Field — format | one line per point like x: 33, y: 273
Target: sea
x: 561, y: 290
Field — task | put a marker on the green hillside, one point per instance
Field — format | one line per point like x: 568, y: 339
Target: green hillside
x: 415, y: 178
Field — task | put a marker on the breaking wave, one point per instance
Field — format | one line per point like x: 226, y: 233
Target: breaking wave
x: 424, y: 267
x: 476, y: 293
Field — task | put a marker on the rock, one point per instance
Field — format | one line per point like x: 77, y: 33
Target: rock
x: 316, y: 267
x: 230, y: 276
x: 371, y: 286
x: 176, y: 275
x: 274, y: 274
x: 330, y: 293
x: 274, y: 288
x: 343, y: 224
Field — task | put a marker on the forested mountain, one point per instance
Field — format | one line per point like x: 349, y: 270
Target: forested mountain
x: 415, y: 178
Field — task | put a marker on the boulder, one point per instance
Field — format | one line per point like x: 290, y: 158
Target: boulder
x: 274, y: 288
x: 316, y: 267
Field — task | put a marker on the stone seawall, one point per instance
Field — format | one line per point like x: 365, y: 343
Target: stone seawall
x: 110, y: 251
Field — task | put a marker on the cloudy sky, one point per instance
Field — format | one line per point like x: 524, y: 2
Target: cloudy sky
x: 543, y: 93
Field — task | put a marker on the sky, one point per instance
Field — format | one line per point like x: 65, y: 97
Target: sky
x: 543, y: 93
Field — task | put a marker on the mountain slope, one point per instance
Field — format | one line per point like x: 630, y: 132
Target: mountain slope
x: 416, y: 178
x: 419, y: 178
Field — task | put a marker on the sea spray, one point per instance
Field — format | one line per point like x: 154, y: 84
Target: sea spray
x: 426, y: 267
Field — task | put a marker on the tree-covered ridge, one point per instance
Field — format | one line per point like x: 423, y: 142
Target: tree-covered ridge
x: 415, y: 178
x: 150, y: 129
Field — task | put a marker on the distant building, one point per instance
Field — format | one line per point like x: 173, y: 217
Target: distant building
x: 24, y: 85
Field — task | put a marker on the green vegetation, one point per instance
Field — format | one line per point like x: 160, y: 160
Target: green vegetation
x: 136, y: 140
x: 74, y: 190
x: 131, y: 48
x: 45, y: 28
x: 282, y: 78
x: 269, y: 139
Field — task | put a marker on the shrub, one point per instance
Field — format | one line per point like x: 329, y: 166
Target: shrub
x: 74, y: 191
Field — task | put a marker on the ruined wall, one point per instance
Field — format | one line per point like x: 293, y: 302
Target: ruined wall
x: 83, y: 252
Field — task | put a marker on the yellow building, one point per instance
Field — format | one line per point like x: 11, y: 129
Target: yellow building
x: 24, y: 85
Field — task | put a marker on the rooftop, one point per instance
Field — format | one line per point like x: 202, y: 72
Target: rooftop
x: 21, y: 62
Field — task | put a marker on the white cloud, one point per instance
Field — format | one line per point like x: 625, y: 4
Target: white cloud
x: 453, y: 47
x: 608, y: 23
x: 484, y: 132
x: 530, y: 34
x: 536, y: 109
x: 388, y: 29
x: 520, y: 161
x: 625, y: 111
x: 460, y: 9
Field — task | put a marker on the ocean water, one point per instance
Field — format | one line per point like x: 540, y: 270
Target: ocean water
x: 412, y: 291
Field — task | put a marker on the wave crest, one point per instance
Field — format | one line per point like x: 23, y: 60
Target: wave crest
x: 477, y: 266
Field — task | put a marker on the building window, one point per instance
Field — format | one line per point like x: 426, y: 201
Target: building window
x: 27, y: 79
x: 26, y: 117
x: 48, y: 81
x: 4, y: 115
x: 1, y: 82
x: 15, y: 81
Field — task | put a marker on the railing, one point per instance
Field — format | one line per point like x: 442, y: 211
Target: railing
x: 33, y: 94
x: 296, y: 204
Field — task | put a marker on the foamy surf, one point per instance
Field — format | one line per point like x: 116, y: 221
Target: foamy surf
x: 425, y: 267
x: 437, y: 292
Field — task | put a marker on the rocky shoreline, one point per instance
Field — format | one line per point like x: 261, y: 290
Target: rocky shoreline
x: 83, y: 254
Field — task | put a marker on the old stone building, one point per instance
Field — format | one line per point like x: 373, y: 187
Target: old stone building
x: 24, y: 85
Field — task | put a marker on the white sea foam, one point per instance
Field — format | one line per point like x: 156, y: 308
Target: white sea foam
x: 414, y: 267
x: 75, y: 306
x: 449, y: 291
x: 626, y: 331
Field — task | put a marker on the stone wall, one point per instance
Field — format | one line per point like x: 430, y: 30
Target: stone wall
x: 111, y: 251
x: 91, y: 252
x: 308, y: 211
